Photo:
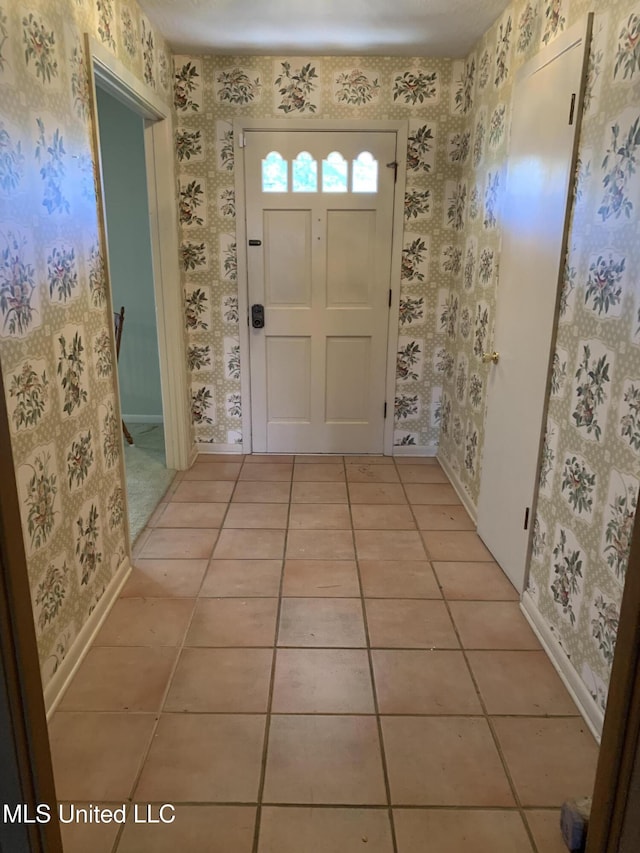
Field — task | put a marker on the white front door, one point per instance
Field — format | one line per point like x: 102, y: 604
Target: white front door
x: 319, y: 209
x: 545, y: 98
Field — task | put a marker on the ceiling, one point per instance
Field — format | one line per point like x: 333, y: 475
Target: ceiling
x: 323, y: 27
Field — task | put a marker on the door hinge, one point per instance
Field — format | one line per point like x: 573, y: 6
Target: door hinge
x: 526, y: 518
x: 390, y: 297
x: 572, y: 108
x: 242, y: 140
x: 385, y: 410
x: 393, y: 165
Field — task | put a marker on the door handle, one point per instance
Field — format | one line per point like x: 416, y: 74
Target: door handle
x: 257, y: 316
x: 490, y: 356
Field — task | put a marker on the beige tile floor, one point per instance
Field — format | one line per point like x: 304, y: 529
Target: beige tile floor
x: 319, y: 656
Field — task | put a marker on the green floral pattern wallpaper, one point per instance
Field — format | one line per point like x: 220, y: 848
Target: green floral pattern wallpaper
x: 589, y: 472
x: 55, y: 345
x: 209, y: 93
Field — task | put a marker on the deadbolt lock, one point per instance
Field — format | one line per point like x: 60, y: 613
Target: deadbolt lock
x: 490, y: 356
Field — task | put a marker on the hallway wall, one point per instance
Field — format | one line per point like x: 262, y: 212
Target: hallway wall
x: 55, y: 345
x: 209, y: 93
x: 589, y: 476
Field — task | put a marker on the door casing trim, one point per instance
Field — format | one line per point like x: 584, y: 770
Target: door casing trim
x: 401, y: 129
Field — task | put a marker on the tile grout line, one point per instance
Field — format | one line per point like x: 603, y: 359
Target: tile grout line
x: 267, y: 727
x: 483, y: 706
x: 383, y: 756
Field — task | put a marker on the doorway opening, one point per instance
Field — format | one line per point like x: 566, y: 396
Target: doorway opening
x: 126, y: 205
x: 133, y: 143
x: 319, y: 232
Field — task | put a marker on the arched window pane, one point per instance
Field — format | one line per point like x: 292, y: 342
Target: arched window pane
x: 305, y: 173
x: 365, y: 174
x: 274, y: 173
x: 334, y: 174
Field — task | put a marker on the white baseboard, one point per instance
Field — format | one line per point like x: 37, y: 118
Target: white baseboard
x: 143, y: 419
x: 590, y: 710
x: 55, y: 688
x: 415, y: 450
x: 205, y: 447
x: 459, y: 488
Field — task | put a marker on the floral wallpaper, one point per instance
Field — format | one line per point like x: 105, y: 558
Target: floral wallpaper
x: 589, y: 472
x: 55, y: 344
x: 209, y: 93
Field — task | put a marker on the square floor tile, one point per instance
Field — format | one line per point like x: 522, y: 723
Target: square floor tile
x: 140, y: 541
x: 269, y: 458
x: 455, y: 545
x: 319, y: 517
x: 242, y: 578
x: 321, y: 578
x: 249, y: 545
x: 328, y: 622
x: 220, y: 457
x: 80, y: 837
x: 415, y: 460
x: 422, y: 474
x: 442, y: 517
x: 322, y: 681
x: 221, y: 680
x: 177, y: 543
x: 389, y: 545
x: 320, y: 545
x: 545, y: 828
x: 382, y: 517
x: 550, y: 760
x: 424, y: 682
x: 185, y: 514
x: 322, y: 473
x: 398, y: 579
x: 444, y: 761
x: 362, y: 472
x: 213, y: 471
x: 116, y: 678
x: 324, y: 830
x: 274, y: 472
x: 233, y: 622
x: 196, y: 829
x: 376, y: 493
x: 204, y: 758
x: 514, y: 683
x: 154, y: 518
x: 492, y: 625
x: 320, y: 493
x: 164, y: 579
x: 368, y: 459
x: 409, y: 624
x: 146, y: 622
x: 255, y: 492
x: 263, y: 516
x: 431, y: 493
x: 317, y: 759
x: 451, y: 831
x: 203, y: 491
x: 97, y: 756
x: 474, y: 581
x: 319, y: 459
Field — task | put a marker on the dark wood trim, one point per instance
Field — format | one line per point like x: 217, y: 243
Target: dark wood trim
x: 19, y: 652
x: 622, y: 720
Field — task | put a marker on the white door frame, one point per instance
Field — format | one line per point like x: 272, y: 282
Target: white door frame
x: 163, y: 220
x: 401, y: 129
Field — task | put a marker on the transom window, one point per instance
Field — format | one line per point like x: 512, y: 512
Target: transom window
x: 338, y: 175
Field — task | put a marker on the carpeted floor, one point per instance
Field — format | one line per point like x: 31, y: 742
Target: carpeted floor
x: 148, y: 478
